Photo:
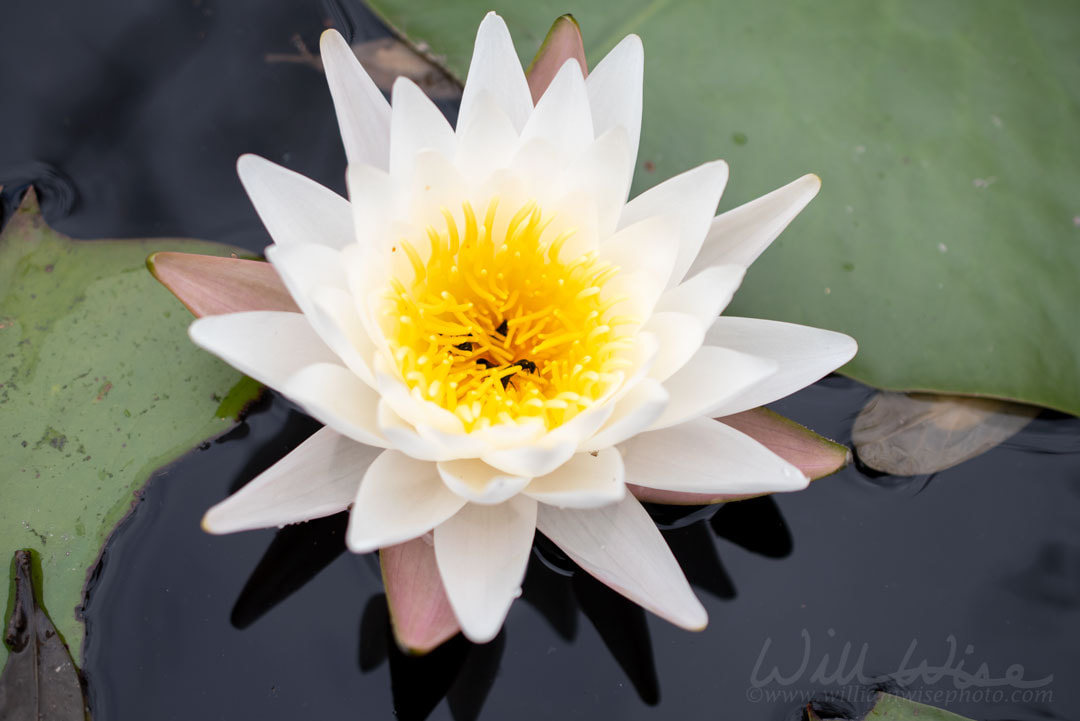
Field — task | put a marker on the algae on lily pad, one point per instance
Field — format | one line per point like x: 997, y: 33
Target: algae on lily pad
x: 946, y: 237
x: 99, y: 386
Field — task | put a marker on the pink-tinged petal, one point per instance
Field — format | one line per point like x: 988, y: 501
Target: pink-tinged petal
x: 620, y: 546
x: 210, y: 285
x: 420, y: 613
x: 814, y: 455
x: 562, y: 43
x: 703, y: 456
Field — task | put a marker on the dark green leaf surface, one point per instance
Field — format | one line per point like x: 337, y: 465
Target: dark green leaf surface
x: 946, y: 238
x: 99, y: 386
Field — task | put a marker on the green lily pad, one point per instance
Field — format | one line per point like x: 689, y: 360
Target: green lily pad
x: 897, y: 708
x: 99, y: 386
x: 946, y: 238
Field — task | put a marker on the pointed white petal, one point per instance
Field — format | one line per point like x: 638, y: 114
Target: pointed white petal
x: 562, y: 115
x: 334, y: 317
x: 689, y: 199
x: 740, y: 235
x: 603, y: 172
x: 337, y: 397
x: 482, y: 553
x: 362, y: 112
x: 649, y: 246
x: 707, y: 456
x: 435, y: 184
x: 803, y: 355
x: 488, y: 142
x: 417, y: 124
x: 319, y: 478
x: 585, y: 481
x: 634, y: 413
x: 705, y: 295
x: 615, y: 86
x: 477, y: 482
x: 295, y: 210
x: 373, y: 199
x: 404, y: 437
x: 267, y: 345
x: 399, y: 499
x: 708, y: 381
x: 620, y: 545
x: 304, y: 268
x: 680, y: 336
x: 495, y: 68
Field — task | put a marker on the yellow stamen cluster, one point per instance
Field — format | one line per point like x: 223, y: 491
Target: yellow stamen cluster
x: 503, y: 329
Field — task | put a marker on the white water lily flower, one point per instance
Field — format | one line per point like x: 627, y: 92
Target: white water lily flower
x: 498, y: 342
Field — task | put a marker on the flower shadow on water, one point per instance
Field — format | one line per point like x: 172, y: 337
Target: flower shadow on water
x: 463, y: 672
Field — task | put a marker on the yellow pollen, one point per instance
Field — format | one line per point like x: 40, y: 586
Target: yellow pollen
x: 504, y: 328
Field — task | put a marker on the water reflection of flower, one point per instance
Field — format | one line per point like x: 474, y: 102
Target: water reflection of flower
x: 462, y: 672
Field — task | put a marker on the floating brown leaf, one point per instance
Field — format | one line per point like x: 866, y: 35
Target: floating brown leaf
x: 39, y: 682
x: 912, y: 434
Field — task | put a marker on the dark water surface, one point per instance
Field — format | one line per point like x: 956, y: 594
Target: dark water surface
x: 129, y: 116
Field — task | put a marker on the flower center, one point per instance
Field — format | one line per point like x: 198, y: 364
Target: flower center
x: 504, y: 329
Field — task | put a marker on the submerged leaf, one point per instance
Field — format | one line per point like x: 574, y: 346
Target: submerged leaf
x: 385, y: 59
x: 562, y: 43
x: 212, y: 285
x: 814, y: 455
x: 896, y: 708
x: 909, y: 435
x: 39, y: 682
x: 101, y: 386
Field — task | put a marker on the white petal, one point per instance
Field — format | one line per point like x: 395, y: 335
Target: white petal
x: 707, y: 456
x: 410, y: 406
x: 803, y: 355
x: 532, y: 460
x: 740, y: 235
x: 634, y: 413
x: 708, y: 381
x: 404, y: 437
x: 270, y: 346
x: 482, y: 553
x: 585, y: 481
x: 362, y: 112
x: 495, y: 68
x: 562, y: 115
x: 488, y: 142
x: 417, y: 124
x: 615, y: 87
x: 399, y: 499
x: 477, y: 482
x: 680, y: 336
x: 295, y: 210
x: 334, y: 317
x: 337, y: 397
x: 690, y: 199
x: 620, y: 545
x: 603, y: 172
x: 319, y: 478
x: 303, y: 268
x: 648, y: 247
x: 705, y: 295
x: 435, y: 184
x: 373, y: 199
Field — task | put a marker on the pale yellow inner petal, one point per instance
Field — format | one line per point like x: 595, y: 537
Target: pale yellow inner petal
x: 505, y: 329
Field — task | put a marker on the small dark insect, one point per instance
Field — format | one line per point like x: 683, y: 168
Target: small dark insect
x: 506, y: 380
x: 503, y: 328
x: 526, y: 365
x: 485, y: 362
x: 466, y: 346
